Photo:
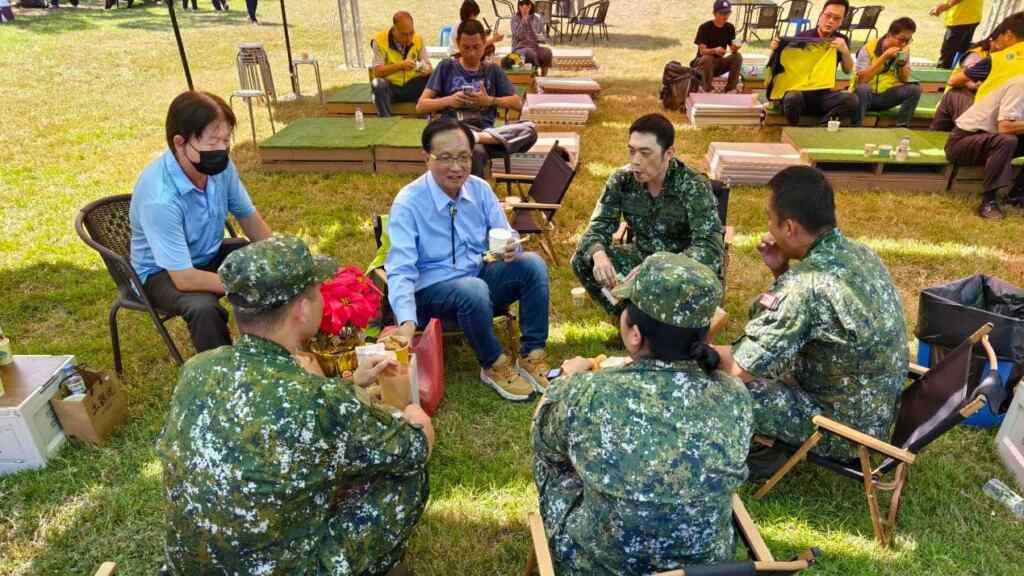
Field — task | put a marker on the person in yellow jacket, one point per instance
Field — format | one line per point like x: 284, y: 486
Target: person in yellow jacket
x: 961, y: 18
x: 883, y: 74
x: 401, y: 66
x: 990, y: 132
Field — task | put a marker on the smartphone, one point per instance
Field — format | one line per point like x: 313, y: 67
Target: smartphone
x: 468, y: 90
x: 554, y: 373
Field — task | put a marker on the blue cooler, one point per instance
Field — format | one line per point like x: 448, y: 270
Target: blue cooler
x: 948, y: 314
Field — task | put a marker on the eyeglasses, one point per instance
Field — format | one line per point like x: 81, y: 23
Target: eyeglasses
x: 449, y: 160
x: 831, y: 17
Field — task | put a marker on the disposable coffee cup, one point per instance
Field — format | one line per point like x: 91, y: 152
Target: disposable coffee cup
x: 579, y: 295
x: 833, y: 125
x: 364, y: 353
x: 869, y: 149
x: 885, y: 151
x: 498, y: 238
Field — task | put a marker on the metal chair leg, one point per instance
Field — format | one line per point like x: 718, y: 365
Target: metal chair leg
x: 270, y: 113
x: 252, y: 119
x: 115, y: 340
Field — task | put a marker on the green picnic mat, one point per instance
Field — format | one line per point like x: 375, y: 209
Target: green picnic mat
x: 352, y: 94
x: 925, y: 108
x: 405, y: 133
x: 330, y: 133
x: 847, y: 145
x: 931, y: 75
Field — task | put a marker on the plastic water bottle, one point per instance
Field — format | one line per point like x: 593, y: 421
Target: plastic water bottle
x: 73, y: 380
x: 360, y: 121
x: 1001, y: 493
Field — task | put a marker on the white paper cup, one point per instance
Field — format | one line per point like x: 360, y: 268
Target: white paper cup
x: 869, y: 149
x: 885, y: 151
x: 833, y: 125
x: 497, y: 239
x: 579, y: 295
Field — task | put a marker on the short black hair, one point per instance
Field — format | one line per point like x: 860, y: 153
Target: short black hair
x: 902, y: 24
x: 533, y: 7
x: 1014, y: 24
x: 444, y: 125
x: 803, y: 194
x: 265, y: 320
x: 844, y: 3
x: 672, y: 343
x: 658, y: 125
x: 469, y: 10
x: 192, y: 111
x: 469, y: 28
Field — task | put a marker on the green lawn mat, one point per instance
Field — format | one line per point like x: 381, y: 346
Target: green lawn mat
x: 360, y: 94
x: 847, y: 145
x: 403, y: 134
x: 330, y: 133
x: 925, y: 108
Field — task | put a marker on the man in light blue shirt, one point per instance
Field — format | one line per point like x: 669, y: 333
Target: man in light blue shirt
x: 178, y: 212
x: 438, y: 227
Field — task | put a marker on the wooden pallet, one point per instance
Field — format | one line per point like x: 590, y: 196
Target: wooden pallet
x: 317, y: 160
x: 397, y: 160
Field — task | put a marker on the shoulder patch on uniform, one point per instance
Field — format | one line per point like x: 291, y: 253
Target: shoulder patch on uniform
x: 769, y: 301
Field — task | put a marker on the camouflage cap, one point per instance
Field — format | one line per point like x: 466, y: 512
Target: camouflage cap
x: 268, y: 273
x: 674, y: 289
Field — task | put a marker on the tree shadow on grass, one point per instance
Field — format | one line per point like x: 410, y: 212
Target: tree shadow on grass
x: 623, y: 40
x: 152, y: 17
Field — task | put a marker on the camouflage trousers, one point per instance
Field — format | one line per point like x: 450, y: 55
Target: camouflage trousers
x: 784, y: 411
x: 624, y: 258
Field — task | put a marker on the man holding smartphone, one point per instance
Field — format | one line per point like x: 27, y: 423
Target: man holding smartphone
x: 883, y: 74
x: 400, y: 64
x: 469, y: 90
x: 715, y: 38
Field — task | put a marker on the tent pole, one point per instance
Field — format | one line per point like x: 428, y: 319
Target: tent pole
x: 288, y: 48
x: 181, y: 45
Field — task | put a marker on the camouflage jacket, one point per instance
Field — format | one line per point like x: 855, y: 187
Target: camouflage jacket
x: 636, y: 467
x: 269, y: 469
x: 835, y: 324
x: 682, y: 219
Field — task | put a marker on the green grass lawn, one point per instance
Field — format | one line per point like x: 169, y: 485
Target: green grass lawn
x: 84, y: 95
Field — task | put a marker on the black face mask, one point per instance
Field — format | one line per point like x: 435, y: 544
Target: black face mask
x: 211, y: 162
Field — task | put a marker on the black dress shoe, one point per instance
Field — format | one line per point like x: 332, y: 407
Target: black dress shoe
x: 990, y: 210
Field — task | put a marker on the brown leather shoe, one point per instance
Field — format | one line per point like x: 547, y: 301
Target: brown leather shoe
x: 991, y: 211
x: 503, y: 377
x: 534, y: 369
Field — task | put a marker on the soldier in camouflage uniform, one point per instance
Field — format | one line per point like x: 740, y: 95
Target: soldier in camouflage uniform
x: 829, y: 336
x: 668, y: 207
x: 636, y: 466
x: 271, y: 468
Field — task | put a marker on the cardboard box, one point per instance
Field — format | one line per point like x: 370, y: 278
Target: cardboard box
x: 29, y: 431
x: 97, y: 414
x: 1010, y: 439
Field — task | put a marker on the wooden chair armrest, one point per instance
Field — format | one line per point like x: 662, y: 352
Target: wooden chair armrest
x: 863, y: 439
x: 619, y: 236
x: 501, y: 177
x: 730, y: 234
x: 545, y: 566
x: 917, y: 369
x: 759, y: 549
x: 381, y: 274
x: 107, y: 569
x: 718, y: 323
x: 532, y: 206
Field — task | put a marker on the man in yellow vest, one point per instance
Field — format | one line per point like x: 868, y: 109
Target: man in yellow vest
x: 400, y: 64
x: 961, y: 17
x: 989, y: 132
x: 883, y: 74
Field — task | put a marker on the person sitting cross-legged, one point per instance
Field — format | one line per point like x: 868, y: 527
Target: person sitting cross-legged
x: 883, y: 74
x: 439, y: 227
x: 401, y: 66
x: 636, y: 466
x: 178, y: 212
x: 268, y: 466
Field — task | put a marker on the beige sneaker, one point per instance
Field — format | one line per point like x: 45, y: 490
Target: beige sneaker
x: 534, y: 369
x: 508, y: 383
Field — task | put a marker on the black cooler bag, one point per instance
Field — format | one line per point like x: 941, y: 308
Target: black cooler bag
x: 949, y: 313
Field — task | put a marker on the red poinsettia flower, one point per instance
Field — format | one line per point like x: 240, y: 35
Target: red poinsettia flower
x: 350, y: 299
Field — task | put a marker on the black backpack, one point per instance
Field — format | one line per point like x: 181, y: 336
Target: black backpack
x: 677, y: 81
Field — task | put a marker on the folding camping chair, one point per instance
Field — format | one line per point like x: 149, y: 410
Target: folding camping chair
x: 797, y: 15
x: 380, y: 279
x: 546, y: 192
x: 590, y: 17
x: 862, y: 18
x: 760, y: 560
x: 506, y: 11
x: 937, y: 400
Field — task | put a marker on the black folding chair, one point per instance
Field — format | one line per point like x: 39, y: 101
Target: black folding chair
x: 536, y: 216
x: 861, y: 18
x: 104, y: 226
x: 590, y: 17
x: 760, y: 561
x: 503, y: 10
x: 764, y: 16
x: 936, y: 400
x: 797, y: 13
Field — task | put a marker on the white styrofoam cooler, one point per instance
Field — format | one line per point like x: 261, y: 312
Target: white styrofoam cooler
x: 29, y: 431
x: 1010, y: 439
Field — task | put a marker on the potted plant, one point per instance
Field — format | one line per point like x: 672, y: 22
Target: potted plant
x: 350, y: 302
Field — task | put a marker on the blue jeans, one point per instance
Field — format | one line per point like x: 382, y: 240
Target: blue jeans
x: 905, y: 96
x: 472, y: 302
